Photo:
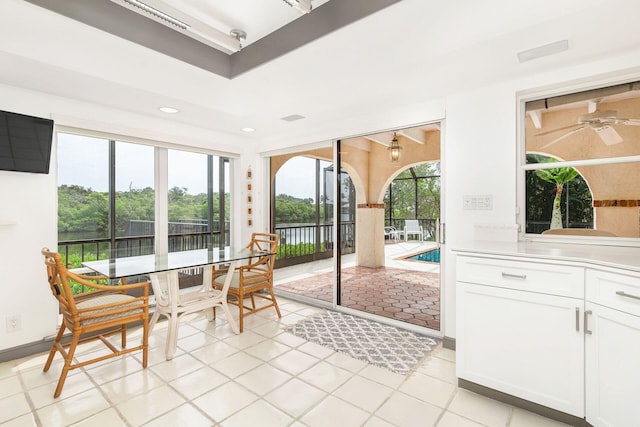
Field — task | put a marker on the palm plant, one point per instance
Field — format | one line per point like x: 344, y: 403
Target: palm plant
x: 559, y: 177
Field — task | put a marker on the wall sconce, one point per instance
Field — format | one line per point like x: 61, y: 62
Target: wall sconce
x: 394, y: 149
x: 249, y: 198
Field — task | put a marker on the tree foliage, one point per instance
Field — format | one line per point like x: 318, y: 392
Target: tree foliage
x: 541, y: 193
x: 83, y: 212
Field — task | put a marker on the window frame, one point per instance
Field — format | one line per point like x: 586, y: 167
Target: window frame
x: 522, y: 98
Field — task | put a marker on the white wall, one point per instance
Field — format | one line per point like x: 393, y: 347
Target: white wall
x: 480, y: 155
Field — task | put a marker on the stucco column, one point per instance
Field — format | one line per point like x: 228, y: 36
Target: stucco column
x: 370, y: 235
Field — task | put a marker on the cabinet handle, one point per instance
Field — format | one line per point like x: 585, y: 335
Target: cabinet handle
x: 586, y: 317
x: 577, y: 319
x: 514, y: 276
x: 624, y: 294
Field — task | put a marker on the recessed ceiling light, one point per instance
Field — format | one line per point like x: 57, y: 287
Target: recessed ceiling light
x: 248, y: 129
x: 169, y: 110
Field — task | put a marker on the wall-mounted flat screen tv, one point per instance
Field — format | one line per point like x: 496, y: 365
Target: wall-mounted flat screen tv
x: 25, y: 143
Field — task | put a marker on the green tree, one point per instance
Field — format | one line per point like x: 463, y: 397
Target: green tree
x: 558, y: 177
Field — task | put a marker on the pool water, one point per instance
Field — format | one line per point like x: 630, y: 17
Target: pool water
x: 430, y: 256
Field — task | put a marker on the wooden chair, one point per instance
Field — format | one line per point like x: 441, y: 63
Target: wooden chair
x: 254, y: 280
x: 93, y: 315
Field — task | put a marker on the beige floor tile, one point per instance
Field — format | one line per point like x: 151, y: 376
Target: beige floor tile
x: 382, y: 376
x: 347, y: 362
x: 439, y: 368
x: 263, y: 379
x: 479, y: 408
x: 176, y: 367
x: 289, y: 339
x: 27, y: 420
x: 268, y: 328
x: 333, y: 411
x: 294, y: 362
x: 316, y: 350
x: 114, y: 369
x: 326, y: 376
x: 364, y: 393
x: 148, y: 406
x: 259, y: 413
x: 377, y: 422
x: 288, y: 397
x: 428, y: 389
x: 449, y: 419
x: 267, y: 350
x: 76, y: 408
x: 195, y: 341
x: 9, y: 386
x: 74, y: 384
x: 133, y: 385
x: 244, y: 340
x: 108, y: 417
x: 212, y: 353
x: 13, y: 406
x: 236, y: 364
x: 225, y: 400
x: 402, y: 410
x: 185, y: 415
x: 198, y: 382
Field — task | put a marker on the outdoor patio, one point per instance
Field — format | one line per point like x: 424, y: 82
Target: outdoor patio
x: 404, y: 290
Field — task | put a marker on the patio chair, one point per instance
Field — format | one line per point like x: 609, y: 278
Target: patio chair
x: 412, y: 227
x: 254, y: 280
x: 93, y: 315
x: 392, y: 233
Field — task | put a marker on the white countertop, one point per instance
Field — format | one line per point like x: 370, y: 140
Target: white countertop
x: 621, y: 257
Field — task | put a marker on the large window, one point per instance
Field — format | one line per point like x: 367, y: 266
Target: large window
x: 581, y: 163
x: 107, y: 198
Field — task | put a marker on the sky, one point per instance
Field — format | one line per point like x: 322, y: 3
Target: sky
x: 83, y: 161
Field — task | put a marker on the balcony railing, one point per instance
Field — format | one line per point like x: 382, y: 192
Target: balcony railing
x: 309, y: 242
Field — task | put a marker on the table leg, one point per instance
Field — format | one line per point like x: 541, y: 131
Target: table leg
x: 225, y: 289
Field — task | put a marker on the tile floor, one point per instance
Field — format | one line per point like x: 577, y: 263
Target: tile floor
x: 263, y: 377
x: 401, y: 294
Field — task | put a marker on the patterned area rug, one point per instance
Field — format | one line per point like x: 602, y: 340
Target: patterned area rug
x: 380, y: 345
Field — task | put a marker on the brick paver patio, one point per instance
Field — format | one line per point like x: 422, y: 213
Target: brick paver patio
x: 407, y: 295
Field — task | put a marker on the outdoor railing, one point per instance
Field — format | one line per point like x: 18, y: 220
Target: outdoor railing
x: 309, y: 242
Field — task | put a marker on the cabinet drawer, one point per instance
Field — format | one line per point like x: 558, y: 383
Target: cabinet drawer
x: 522, y: 275
x: 614, y: 290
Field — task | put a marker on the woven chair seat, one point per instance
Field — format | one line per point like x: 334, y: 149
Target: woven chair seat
x: 105, y: 300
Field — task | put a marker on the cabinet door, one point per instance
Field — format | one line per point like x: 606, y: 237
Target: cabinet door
x: 525, y: 344
x: 612, y: 367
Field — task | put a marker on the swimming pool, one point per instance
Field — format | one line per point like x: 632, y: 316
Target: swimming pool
x: 432, y: 255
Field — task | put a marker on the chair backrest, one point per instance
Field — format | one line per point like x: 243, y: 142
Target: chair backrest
x: 411, y: 225
x: 264, y: 242
x: 58, y: 281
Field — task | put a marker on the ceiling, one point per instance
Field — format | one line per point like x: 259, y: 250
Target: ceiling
x: 379, y: 71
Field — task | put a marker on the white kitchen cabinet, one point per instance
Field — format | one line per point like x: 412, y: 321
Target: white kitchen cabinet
x: 526, y: 344
x: 612, y: 347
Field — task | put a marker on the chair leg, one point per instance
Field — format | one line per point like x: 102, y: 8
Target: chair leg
x: 240, y: 311
x: 67, y: 364
x: 275, y: 302
x: 53, y: 350
x: 145, y: 344
x: 123, y: 331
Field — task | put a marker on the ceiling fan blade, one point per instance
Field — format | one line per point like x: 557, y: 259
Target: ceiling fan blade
x: 628, y: 122
x: 559, y: 129
x: 566, y: 135
x: 608, y: 135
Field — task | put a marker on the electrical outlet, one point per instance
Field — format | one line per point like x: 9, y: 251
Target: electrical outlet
x: 14, y: 323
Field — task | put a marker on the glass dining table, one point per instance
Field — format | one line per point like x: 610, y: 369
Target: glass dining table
x: 163, y: 270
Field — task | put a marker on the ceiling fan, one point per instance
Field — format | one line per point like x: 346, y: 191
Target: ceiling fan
x: 601, y: 122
